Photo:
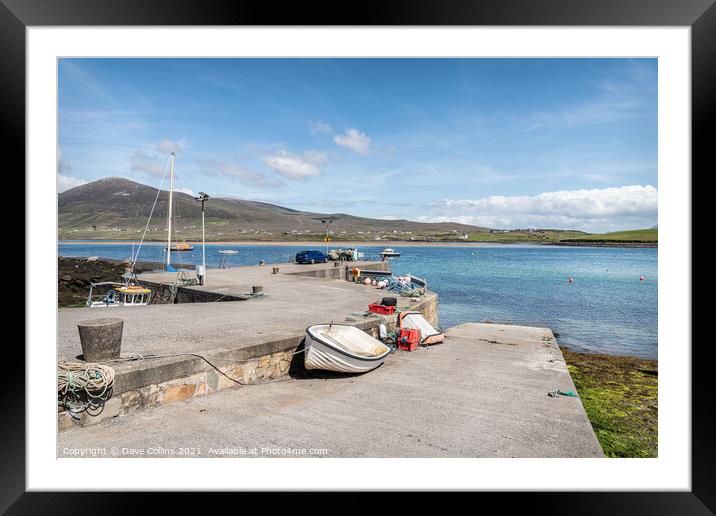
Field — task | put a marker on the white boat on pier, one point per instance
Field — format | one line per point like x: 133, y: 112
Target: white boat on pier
x: 342, y: 348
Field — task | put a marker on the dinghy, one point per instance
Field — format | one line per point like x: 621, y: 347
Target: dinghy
x: 342, y: 348
x: 416, y: 321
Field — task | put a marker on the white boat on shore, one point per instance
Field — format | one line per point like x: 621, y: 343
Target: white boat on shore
x: 415, y: 321
x: 342, y: 348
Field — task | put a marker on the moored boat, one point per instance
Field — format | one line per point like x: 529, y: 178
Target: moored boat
x: 117, y: 294
x: 181, y: 246
x: 228, y: 251
x: 342, y: 348
x: 389, y: 252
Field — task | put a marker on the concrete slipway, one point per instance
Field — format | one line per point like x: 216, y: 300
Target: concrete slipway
x: 483, y: 393
x: 293, y: 300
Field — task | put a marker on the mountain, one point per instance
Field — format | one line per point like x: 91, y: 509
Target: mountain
x: 119, y: 208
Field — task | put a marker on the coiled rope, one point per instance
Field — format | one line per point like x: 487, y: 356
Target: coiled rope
x: 87, y: 386
x: 83, y: 386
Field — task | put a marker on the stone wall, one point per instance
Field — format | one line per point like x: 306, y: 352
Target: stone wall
x: 257, y: 370
x: 340, y: 270
x: 430, y: 310
x: 163, y: 294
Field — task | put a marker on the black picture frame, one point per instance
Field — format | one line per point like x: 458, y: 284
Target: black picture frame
x: 700, y: 15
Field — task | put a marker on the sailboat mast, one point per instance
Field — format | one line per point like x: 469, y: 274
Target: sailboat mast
x: 169, y: 217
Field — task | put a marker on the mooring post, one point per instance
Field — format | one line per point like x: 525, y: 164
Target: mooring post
x: 101, y: 339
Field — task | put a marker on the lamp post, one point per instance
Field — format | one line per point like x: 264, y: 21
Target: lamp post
x: 202, y: 198
x: 327, y: 222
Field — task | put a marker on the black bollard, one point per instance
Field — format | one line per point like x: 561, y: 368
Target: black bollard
x: 101, y: 339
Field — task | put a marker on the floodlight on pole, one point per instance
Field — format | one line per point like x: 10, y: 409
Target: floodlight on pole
x: 202, y: 198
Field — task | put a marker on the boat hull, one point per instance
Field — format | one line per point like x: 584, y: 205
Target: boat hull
x: 321, y: 355
x: 415, y: 321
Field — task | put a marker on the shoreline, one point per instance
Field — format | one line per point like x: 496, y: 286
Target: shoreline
x: 305, y: 243
x: 619, y: 393
x: 601, y: 354
x: 114, y: 267
x: 640, y: 245
x: 353, y: 243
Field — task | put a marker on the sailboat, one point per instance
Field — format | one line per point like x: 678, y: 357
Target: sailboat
x: 130, y: 292
x: 176, y: 246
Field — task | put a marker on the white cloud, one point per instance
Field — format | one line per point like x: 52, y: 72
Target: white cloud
x: 153, y: 160
x: 82, y: 82
x: 168, y: 146
x: 618, y: 97
x: 320, y: 128
x: 187, y: 191
x: 354, y: 140
x: 147, y: 163
x: 605, y: 209
x: 294, y: 166
x: 65, y: 182
x: 63, y: 164
x: 212, y: 167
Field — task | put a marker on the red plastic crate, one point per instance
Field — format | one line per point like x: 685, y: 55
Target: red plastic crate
x: 408, y: 340
x: 380, y: 309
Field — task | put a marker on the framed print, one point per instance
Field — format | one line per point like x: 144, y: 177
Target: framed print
x: 422, y: 243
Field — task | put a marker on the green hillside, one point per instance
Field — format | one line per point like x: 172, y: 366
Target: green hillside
x: 117, y: 209
x: 634, y: 236
x: 533, y: 236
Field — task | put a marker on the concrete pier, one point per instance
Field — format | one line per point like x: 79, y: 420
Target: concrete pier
x: 483, y: 393
x: 197, y: 348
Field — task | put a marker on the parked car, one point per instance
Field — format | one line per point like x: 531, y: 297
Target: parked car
x: 311, y: 257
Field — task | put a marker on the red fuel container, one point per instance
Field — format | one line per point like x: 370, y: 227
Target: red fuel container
x: 408, y: 340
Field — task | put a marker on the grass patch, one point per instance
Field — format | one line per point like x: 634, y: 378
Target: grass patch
x: 540, y: 235
x: 635, y: 235
x: 620, y: 396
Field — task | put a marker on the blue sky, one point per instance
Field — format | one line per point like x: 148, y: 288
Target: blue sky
x: 565, y: 143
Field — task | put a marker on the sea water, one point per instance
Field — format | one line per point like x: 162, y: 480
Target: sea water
x: 607, y: 308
